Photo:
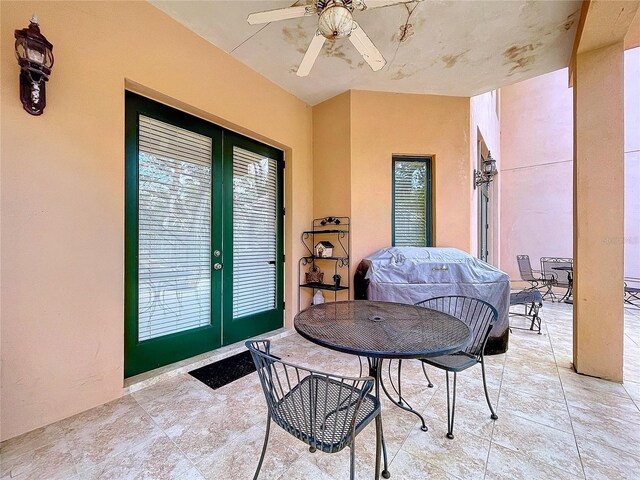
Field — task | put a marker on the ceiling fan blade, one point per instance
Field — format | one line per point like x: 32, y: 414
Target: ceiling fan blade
x: 366, y: 48
x: 369, y: 4
x: 281, y: 14
x: 310, y: 56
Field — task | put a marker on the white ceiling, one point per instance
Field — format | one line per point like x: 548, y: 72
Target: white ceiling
x: 459, y: 47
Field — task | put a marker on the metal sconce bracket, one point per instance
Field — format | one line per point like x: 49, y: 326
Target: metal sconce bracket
x: 486, y: 175
x: 35, y: 57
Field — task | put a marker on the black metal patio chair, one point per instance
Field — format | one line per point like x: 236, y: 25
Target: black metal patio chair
x: 557, y: 278
x: 528, y: 274
x: 632, y: 291
x: 480, y: 318
x: 324, y: 411
x: 531, y: 300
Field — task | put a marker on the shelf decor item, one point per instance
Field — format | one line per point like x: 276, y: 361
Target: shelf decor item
x: 324, y: 249
x: 318, y: 298
x: 314, y: 275
x: 327, y: 246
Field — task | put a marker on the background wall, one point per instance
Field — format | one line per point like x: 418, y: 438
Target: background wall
x: 356, y: 135
x: 62, y: 187
x: 485, y: 127
x: 332, y: 157
x: 632, y: 161
x: 536, y: 174
x: 384, y: 124
x: 331, y: 175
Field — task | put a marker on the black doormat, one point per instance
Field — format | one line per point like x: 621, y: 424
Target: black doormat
x: 225, y: 371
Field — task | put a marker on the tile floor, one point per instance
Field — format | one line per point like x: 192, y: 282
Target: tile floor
x: 553, y: 424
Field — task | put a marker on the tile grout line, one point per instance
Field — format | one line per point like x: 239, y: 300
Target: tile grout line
x: 566, y: 402
x: 624, y: 452
x: 635, y: 402
x: 416, y: 423
x: 193, y: 465
x: 537, y: 423
x: 493, y: 427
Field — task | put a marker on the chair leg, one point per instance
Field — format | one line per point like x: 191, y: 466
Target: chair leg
x: 399, y: 380
x: 352, y: 465
x: 537, y: 321
x: 532, y: 315
x: 264, y: 448
x: 550, y: 292
x: 486, y: 391
x: 430, y: 385
x: 378, y: 446
x: 451, y: 405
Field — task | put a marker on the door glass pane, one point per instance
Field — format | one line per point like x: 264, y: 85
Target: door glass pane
x: 254, y: 232
x: 174, y: 231
x: 410, y: 204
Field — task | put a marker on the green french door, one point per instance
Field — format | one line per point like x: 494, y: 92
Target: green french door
x: 203, y: 236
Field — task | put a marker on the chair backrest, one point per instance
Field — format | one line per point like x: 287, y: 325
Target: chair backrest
x: 320, y: 409
x: 477, y: 314
x: 561, y: 277
x: 524, y: 265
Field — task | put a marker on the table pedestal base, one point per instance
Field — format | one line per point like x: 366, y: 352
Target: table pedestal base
x: 375, y: 371
x: 401, y: 402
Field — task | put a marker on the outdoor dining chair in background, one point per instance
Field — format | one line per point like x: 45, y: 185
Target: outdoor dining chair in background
x: 540, y: 283
x: 324, y: 411
x: 558, y: 278
x: 632, y: 291
x: 480, y: 318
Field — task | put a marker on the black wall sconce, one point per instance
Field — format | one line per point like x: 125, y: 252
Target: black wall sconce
x: 487, y: 173
x: 35, y: 57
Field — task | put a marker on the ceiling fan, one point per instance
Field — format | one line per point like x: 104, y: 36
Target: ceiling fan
x: 335, y: 21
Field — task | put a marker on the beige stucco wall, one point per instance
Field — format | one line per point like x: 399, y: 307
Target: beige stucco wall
x: 356, y: 135
x: 331, y: 176
x: 332, y: 157
x: 384, y: 124
x: 537, y: 169
x: 62, y: 189
x: 485, y: 127
x: 598, y: 322
x: 632, y: 161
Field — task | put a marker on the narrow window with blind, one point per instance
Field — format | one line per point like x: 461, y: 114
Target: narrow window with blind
x: 411, y: 210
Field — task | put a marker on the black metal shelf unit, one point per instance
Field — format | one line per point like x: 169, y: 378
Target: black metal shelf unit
x: 337, y: 230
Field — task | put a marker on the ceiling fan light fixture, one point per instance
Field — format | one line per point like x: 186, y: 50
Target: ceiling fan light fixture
x: 336, y: 21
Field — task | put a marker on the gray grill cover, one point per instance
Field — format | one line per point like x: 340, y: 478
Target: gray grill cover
x: 411, y: 275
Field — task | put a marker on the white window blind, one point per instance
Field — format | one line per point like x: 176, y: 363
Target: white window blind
x: 254, y: 232
x: 174, y: 231
x: 410, y: 203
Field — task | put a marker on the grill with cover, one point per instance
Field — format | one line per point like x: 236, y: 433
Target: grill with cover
x: 415, y: 274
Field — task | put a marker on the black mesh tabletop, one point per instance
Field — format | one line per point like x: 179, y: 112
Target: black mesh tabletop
x: 382, y: 329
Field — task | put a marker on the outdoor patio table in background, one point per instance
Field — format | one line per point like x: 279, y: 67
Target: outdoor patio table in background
x: 567, y: 296
x: 382, y: 330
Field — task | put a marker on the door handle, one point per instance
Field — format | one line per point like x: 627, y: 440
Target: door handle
x: 217, y: 266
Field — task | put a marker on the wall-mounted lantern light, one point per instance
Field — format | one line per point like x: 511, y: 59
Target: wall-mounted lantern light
x: 35, y: 57
x: 487, y: 172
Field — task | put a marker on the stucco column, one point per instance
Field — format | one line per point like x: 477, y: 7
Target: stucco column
x: 598, y: 206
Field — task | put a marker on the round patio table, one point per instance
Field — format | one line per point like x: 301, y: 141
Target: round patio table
x: 383, y: 330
